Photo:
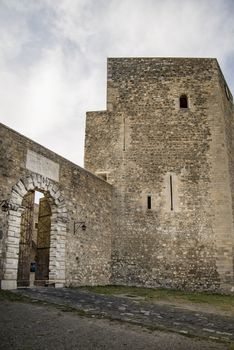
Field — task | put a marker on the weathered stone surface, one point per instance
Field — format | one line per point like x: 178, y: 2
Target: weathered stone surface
x: 150, y: 147
x: 42, y: 165
x: 164, y: 215
x: 89, y: 196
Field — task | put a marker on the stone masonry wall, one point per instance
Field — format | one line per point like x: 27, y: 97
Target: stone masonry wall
x: 86, y: 198
x: 150, y: 147
x: 167, y: 219
x: 225, y: 238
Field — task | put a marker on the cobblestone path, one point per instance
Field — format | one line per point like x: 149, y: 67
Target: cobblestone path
x: 153, y: 316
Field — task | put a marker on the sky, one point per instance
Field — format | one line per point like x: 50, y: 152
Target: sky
x: 53, y: 56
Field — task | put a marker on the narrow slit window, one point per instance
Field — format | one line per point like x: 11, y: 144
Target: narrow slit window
x: 149, y: 202
x: 183, y: 101
x: 124, y: 134
x: 171, y: 193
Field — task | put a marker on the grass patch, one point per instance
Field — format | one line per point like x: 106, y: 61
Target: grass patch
x: 10, y: 296
x: 225, y: 302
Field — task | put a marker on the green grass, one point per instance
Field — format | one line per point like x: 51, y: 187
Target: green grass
x: 7, y: 295
x: 220, y: 301
x: 225, y: 302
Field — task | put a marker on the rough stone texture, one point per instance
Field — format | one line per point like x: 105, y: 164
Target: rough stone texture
x: 76, y: 258
x: 144, y: 139
x: 147, y: 148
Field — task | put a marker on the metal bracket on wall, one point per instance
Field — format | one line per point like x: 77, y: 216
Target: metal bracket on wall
x: 6, y: 205
x: 78, y: 225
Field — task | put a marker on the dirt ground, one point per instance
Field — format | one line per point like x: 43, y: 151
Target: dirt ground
x: 25, y: 326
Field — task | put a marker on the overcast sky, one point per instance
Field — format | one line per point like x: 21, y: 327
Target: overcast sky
x: 53, y: 56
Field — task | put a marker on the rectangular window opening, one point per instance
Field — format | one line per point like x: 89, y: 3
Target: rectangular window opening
x: 171, y: 193
x: 148, y: 202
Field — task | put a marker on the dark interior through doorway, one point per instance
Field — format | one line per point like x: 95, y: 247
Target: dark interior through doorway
x: 34, y: 247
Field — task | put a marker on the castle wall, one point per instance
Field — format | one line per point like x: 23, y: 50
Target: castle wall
x: 164, y: 215
x: 179, y: 158
x: 83, y: 197
x: 225, y: 196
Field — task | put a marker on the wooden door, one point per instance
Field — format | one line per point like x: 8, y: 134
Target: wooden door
x: 43, y: 242
x: 26, y: 232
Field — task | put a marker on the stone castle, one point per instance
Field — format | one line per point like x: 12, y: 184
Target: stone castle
x: 154, y: 205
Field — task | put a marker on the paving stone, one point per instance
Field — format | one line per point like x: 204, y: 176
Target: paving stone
x: 154, y: 315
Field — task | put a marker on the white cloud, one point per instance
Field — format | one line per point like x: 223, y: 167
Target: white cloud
x: 53, y: 55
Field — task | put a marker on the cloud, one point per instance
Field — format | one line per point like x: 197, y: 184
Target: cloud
x: 137, y: 27
x: 53, y: 55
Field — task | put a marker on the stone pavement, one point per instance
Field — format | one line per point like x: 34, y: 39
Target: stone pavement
x: 27, y: 326
x: 152, y: 316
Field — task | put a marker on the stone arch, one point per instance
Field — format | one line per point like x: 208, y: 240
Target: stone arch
x: 59, y: 219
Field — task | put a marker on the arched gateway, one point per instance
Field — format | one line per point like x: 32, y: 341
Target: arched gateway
x: 58, y: 228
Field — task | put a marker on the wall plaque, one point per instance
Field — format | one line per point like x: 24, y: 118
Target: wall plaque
x: 42, y: 165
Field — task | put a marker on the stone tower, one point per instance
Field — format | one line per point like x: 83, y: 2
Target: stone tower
x: 165, y: 144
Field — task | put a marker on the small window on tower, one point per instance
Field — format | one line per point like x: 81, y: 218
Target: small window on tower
x: 183, y: 101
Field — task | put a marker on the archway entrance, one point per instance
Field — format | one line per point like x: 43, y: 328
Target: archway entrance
x: 34, y: 245
x: 59, y: 218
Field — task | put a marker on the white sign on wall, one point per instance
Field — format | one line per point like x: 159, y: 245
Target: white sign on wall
x: 42, y: 165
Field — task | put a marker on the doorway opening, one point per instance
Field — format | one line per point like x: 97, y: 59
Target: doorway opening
x: 34, y: 246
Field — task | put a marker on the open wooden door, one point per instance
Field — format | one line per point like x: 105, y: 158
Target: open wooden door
x: 26, y: 232
x: 43, y: 242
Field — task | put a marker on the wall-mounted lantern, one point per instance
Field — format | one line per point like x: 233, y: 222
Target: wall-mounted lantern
x: 5, y: 205
x: 78, y: 225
